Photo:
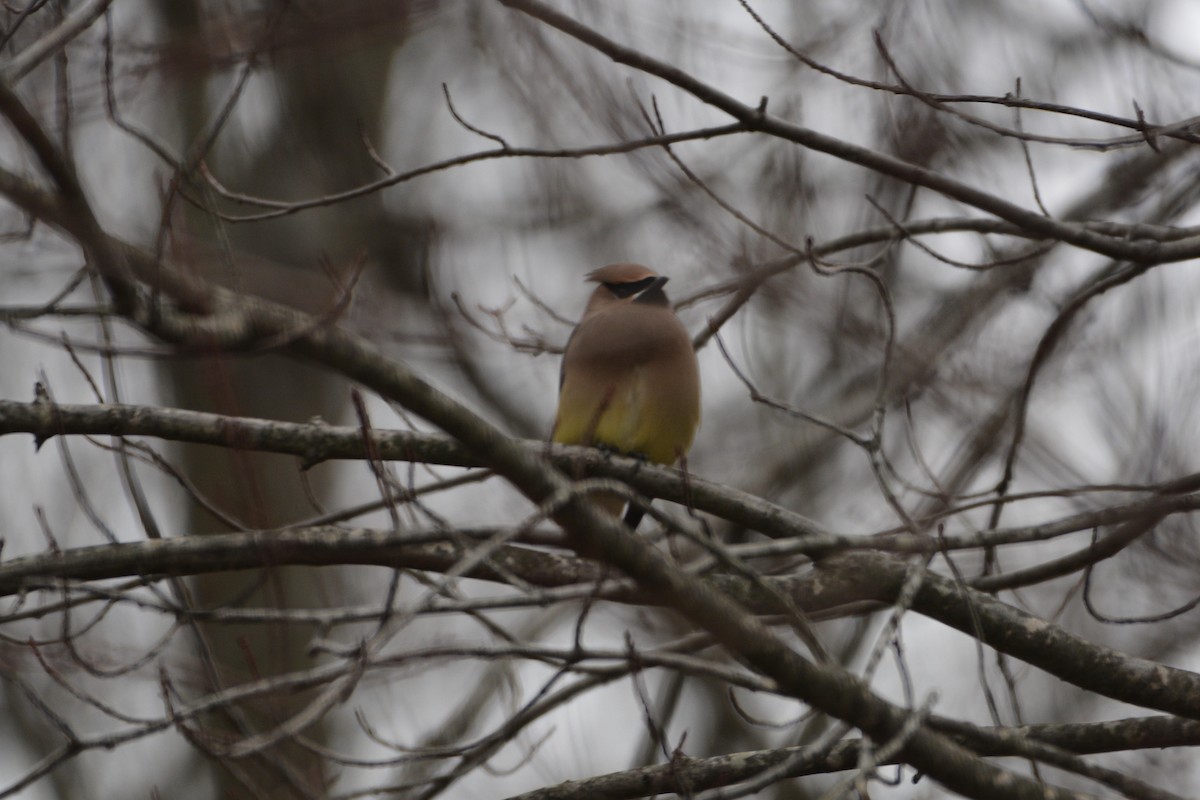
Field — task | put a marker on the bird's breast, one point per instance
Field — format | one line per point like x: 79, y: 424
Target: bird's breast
x: 630, y: 382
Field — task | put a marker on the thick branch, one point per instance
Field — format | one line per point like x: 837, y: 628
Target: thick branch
x: 839, y: 581
x: 315, y: 442
x: 1031, y: 639
x: 684, y: 774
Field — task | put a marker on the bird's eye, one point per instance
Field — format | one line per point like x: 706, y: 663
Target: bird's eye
x: 630, y: 288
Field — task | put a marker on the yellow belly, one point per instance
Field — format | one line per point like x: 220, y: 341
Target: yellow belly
x: 631, y: 420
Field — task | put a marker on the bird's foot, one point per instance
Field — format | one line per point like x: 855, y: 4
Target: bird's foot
x: 608, y: 450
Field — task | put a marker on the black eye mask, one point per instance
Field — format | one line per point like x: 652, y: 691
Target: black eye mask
x: 630, y: 288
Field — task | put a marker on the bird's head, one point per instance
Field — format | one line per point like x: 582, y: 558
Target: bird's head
x: 627, y: 283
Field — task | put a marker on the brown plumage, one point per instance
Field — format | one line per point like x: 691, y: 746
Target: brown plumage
x: 629, y: 377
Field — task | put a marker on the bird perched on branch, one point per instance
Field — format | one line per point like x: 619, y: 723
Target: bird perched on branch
x: 629, y: 379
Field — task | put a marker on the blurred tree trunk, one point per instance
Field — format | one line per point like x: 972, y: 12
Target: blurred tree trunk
x: 326, y: 107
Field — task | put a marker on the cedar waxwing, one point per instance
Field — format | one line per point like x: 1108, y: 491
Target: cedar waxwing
x: 629, y: 377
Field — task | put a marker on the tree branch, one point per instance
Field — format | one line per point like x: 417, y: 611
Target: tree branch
x: 756, y: 118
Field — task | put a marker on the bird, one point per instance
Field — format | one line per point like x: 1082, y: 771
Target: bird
x: 629, y: 381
